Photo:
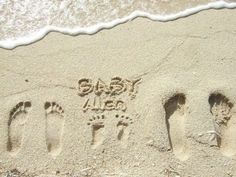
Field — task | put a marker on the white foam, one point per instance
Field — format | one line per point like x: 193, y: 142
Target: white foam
x: 32, y: 37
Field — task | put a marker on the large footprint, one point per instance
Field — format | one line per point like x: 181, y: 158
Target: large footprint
x: 225, y: 123
x: 54, y: 127
x: 16, y: 126
x: 175, y: 118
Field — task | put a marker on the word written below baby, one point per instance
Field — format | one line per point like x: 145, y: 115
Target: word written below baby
x: 105, y: 94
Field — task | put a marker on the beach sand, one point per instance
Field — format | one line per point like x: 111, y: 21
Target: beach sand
x: 143, y: 99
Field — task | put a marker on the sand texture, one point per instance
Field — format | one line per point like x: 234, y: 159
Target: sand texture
x: 144, y: 99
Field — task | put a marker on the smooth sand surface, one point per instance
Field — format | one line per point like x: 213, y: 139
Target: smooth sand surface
x: 144, y: 99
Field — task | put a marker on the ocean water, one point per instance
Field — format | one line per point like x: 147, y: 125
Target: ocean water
x: 25, y: 21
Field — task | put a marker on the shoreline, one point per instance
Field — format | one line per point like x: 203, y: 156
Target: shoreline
x: 41, y: 33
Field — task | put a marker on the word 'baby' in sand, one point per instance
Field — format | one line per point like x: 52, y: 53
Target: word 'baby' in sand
x: 117, y: 86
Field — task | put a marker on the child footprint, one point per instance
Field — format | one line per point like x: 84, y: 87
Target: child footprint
x: 97, y: 125
x: 54, y: 127
x: 122, y: 127
x: 16, y: 126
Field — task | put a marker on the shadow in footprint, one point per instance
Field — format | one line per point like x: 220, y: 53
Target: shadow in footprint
x: 121, y: 130
x: 97, y: 125
x: 224, y: 123
x: 175, y: 119
x: 54, y: 127
x: 16, y: 126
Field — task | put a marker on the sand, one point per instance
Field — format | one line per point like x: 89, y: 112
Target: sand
x: 141, y: 99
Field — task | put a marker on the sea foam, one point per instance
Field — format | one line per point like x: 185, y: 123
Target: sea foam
x: 24, y: 21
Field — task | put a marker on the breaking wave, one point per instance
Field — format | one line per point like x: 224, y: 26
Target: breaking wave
x: 26, y: 21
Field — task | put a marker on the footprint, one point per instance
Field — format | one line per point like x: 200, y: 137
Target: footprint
x: 175, y: 109
x: 97, y: 125
x: 54, y: 127
x: 224, y: 122
x: 16, y: 126
x: 122, y: 127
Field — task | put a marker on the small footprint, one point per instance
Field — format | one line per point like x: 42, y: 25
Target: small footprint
x: 224, y: 122
x: 16, y: 126
x: 122, y: 127
x: 175, y: 109
x: 54, y: 127
x: 97, y: 125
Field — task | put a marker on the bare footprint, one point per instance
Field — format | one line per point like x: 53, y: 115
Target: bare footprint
x: 224, y: 122
x: 16, y: 126
x: 97, y: 125
x: 54, y: 127
x: 175, y: 119
x: 122, y: 127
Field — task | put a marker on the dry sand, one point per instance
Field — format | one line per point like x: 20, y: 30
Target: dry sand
x: 144, y: 99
